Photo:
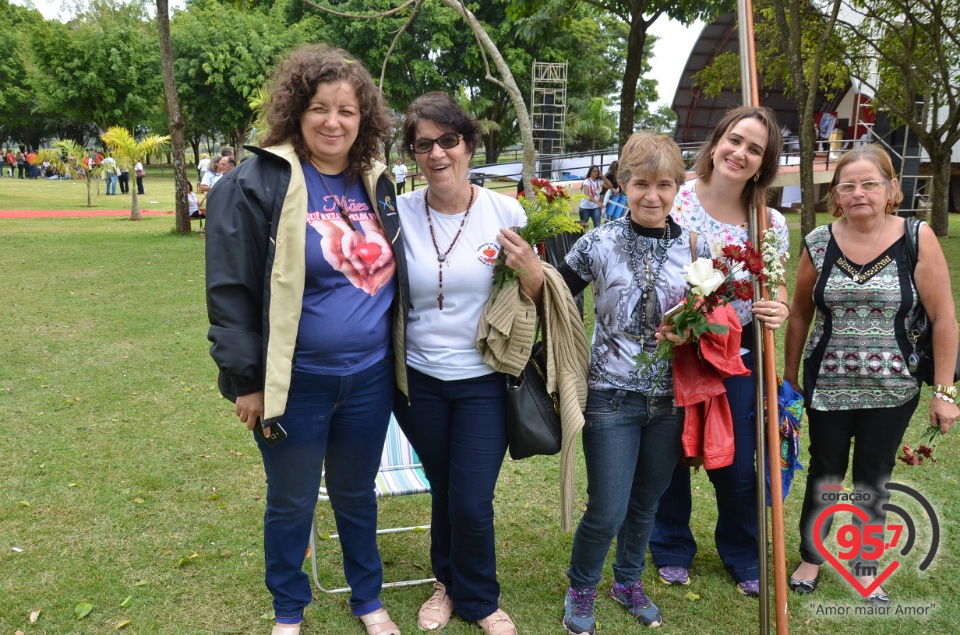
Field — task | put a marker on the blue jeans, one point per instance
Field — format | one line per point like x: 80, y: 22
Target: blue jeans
x: 672, y: 543
x: 340, y: 422
x: 630, y: 443
x: 459, y: 430
x: 588, y: 213
x: 111, y: 184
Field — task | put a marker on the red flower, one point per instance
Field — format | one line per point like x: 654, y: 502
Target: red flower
x: 743, y: 290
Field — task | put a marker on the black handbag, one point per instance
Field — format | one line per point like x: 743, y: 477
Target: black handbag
x: 533, y: 414
x: 920, y: 331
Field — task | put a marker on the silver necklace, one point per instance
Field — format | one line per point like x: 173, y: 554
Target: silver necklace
x: 857, y: 277
x: 646, y: 282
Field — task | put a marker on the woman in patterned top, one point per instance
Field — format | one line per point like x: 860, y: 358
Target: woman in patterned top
x: 854, y: 278
x: 631, y: 437
x: 734, y: 167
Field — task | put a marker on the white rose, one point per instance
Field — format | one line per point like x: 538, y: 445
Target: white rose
x: 703, y: 277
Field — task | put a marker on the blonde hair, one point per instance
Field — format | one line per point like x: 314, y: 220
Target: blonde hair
x: 876, y: 155
x: 653, y: 155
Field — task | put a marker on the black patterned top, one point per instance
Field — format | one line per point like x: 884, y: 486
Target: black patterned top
x: 629, y: 305
x: 855, y: 356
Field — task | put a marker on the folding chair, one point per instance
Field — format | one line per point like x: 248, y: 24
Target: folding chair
x: 400, y: 474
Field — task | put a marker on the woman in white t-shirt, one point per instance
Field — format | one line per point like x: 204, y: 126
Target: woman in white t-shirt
x: 591, y: 188
x: 454, y: 409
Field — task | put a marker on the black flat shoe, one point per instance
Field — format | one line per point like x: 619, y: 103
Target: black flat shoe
x: 803, y: 587
x: 878, y: 599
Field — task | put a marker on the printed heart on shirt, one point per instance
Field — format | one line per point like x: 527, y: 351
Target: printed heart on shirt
x: 369, y: 252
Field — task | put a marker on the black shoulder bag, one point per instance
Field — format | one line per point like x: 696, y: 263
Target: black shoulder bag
x: 920, y: 330
x: 533, y: 414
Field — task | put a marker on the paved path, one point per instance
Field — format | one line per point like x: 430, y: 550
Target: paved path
x: 74, y: 213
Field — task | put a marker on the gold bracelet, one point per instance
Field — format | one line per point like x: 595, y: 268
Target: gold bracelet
x: 949, y: 391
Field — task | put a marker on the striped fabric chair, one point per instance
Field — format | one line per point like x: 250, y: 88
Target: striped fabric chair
x: 400, y: 474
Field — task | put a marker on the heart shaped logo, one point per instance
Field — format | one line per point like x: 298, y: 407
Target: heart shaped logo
x: 369, y: 252
x: 833, y: 560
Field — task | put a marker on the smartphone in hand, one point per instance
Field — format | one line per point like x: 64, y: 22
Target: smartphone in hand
x: 277, y: 433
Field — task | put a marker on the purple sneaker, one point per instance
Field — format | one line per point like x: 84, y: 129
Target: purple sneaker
x: 678, y: 576
x: 637, y: 602
x: 749, y: 588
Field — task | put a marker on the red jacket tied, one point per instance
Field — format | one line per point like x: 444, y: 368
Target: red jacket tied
x: 698, y: 374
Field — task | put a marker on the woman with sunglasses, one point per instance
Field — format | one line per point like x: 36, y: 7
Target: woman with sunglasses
x: 854, y: 279
x: 449, y: 403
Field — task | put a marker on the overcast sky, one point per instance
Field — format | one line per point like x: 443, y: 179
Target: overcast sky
x: 670, y: 52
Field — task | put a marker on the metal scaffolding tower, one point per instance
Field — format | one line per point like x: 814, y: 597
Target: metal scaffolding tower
x: 548, y: 106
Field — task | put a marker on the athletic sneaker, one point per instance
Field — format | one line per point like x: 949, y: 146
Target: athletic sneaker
x: 678, y: 576
x: 637, y: 602
x: 578, y: 611
x: 749, y: 587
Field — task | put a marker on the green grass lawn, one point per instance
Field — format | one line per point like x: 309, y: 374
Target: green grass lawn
x: 129, y: 485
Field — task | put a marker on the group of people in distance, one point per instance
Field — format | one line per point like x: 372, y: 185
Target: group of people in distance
x: 333, y: 303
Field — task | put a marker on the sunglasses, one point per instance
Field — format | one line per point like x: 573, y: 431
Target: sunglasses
x: 446, y: 141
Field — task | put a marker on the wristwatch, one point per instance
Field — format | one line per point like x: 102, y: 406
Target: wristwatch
x: 949, y: 391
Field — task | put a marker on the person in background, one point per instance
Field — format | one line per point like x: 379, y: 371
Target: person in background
x: 203, y: 165
x: 301, y: 284
x: 192, y: 204
x: 855, y: 285
x: 124, y: 179
x: 139, y: 172
x: 400, y: 175
x: 449, y: 402
x: 632, y: 430
x: 591, y: 187
x: 111, y: 172
x: 734, y: 167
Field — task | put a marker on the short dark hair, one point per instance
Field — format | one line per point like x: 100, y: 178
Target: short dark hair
x: 754, y: 192
x: 293, y: 85
x: 227, y: 151
x: 443, y: 110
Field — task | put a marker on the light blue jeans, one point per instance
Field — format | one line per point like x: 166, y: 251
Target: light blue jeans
x: 111, y: 184
x: 631, y: 444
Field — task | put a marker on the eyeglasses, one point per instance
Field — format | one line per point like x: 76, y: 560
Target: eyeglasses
x: 446, y: 141
x: 866, y: 186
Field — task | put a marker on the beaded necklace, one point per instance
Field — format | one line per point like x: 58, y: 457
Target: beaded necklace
x: 646, y: 282
x: 442, y: 255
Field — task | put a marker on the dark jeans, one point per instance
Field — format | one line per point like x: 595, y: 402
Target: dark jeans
x: 588, y: 213
x: 878, y: 433
x: 672, y: 543
x: 139, y: 185
x: 630, y: 444
x: 400, y: 186
x: 459, y: 430
x: 124, y: 182
x: 338, y: 424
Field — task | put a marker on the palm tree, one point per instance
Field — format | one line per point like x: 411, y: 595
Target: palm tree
x: 591, y: 121
x: 127, y: 151
x: 74, y: 165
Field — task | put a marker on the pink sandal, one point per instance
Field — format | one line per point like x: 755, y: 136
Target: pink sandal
x: 379, y: 623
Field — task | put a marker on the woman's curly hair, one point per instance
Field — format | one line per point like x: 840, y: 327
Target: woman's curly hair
x: 294, y: 83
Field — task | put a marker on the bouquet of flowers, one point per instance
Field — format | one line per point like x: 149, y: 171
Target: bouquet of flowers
x: 928, y: 445
x: 548, y: 215
x: 713, y: 283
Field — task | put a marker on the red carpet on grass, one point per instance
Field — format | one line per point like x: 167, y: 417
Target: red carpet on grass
x: 73, y: 213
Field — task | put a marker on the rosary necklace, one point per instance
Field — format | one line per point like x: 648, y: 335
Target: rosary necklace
x: 858, y: 276
x: 646, y: 282
x: 442, y: 255
x: 343, y: 212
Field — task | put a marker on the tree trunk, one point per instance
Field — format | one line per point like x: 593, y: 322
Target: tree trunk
x: 134, y: 203
x: 940, y: 196
x: 631, y: 75
x: 86, y: 177
x: 175, y: 118
x: 808, y: 149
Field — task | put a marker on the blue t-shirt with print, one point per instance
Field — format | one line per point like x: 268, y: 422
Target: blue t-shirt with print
x: 350, y: 283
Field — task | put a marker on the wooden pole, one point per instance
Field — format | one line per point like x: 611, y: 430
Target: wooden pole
x: 765, y: 378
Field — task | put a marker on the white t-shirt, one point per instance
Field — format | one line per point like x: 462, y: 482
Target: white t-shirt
x: 400, y: 173
x: 591, y: 188
x: 443, y: 344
